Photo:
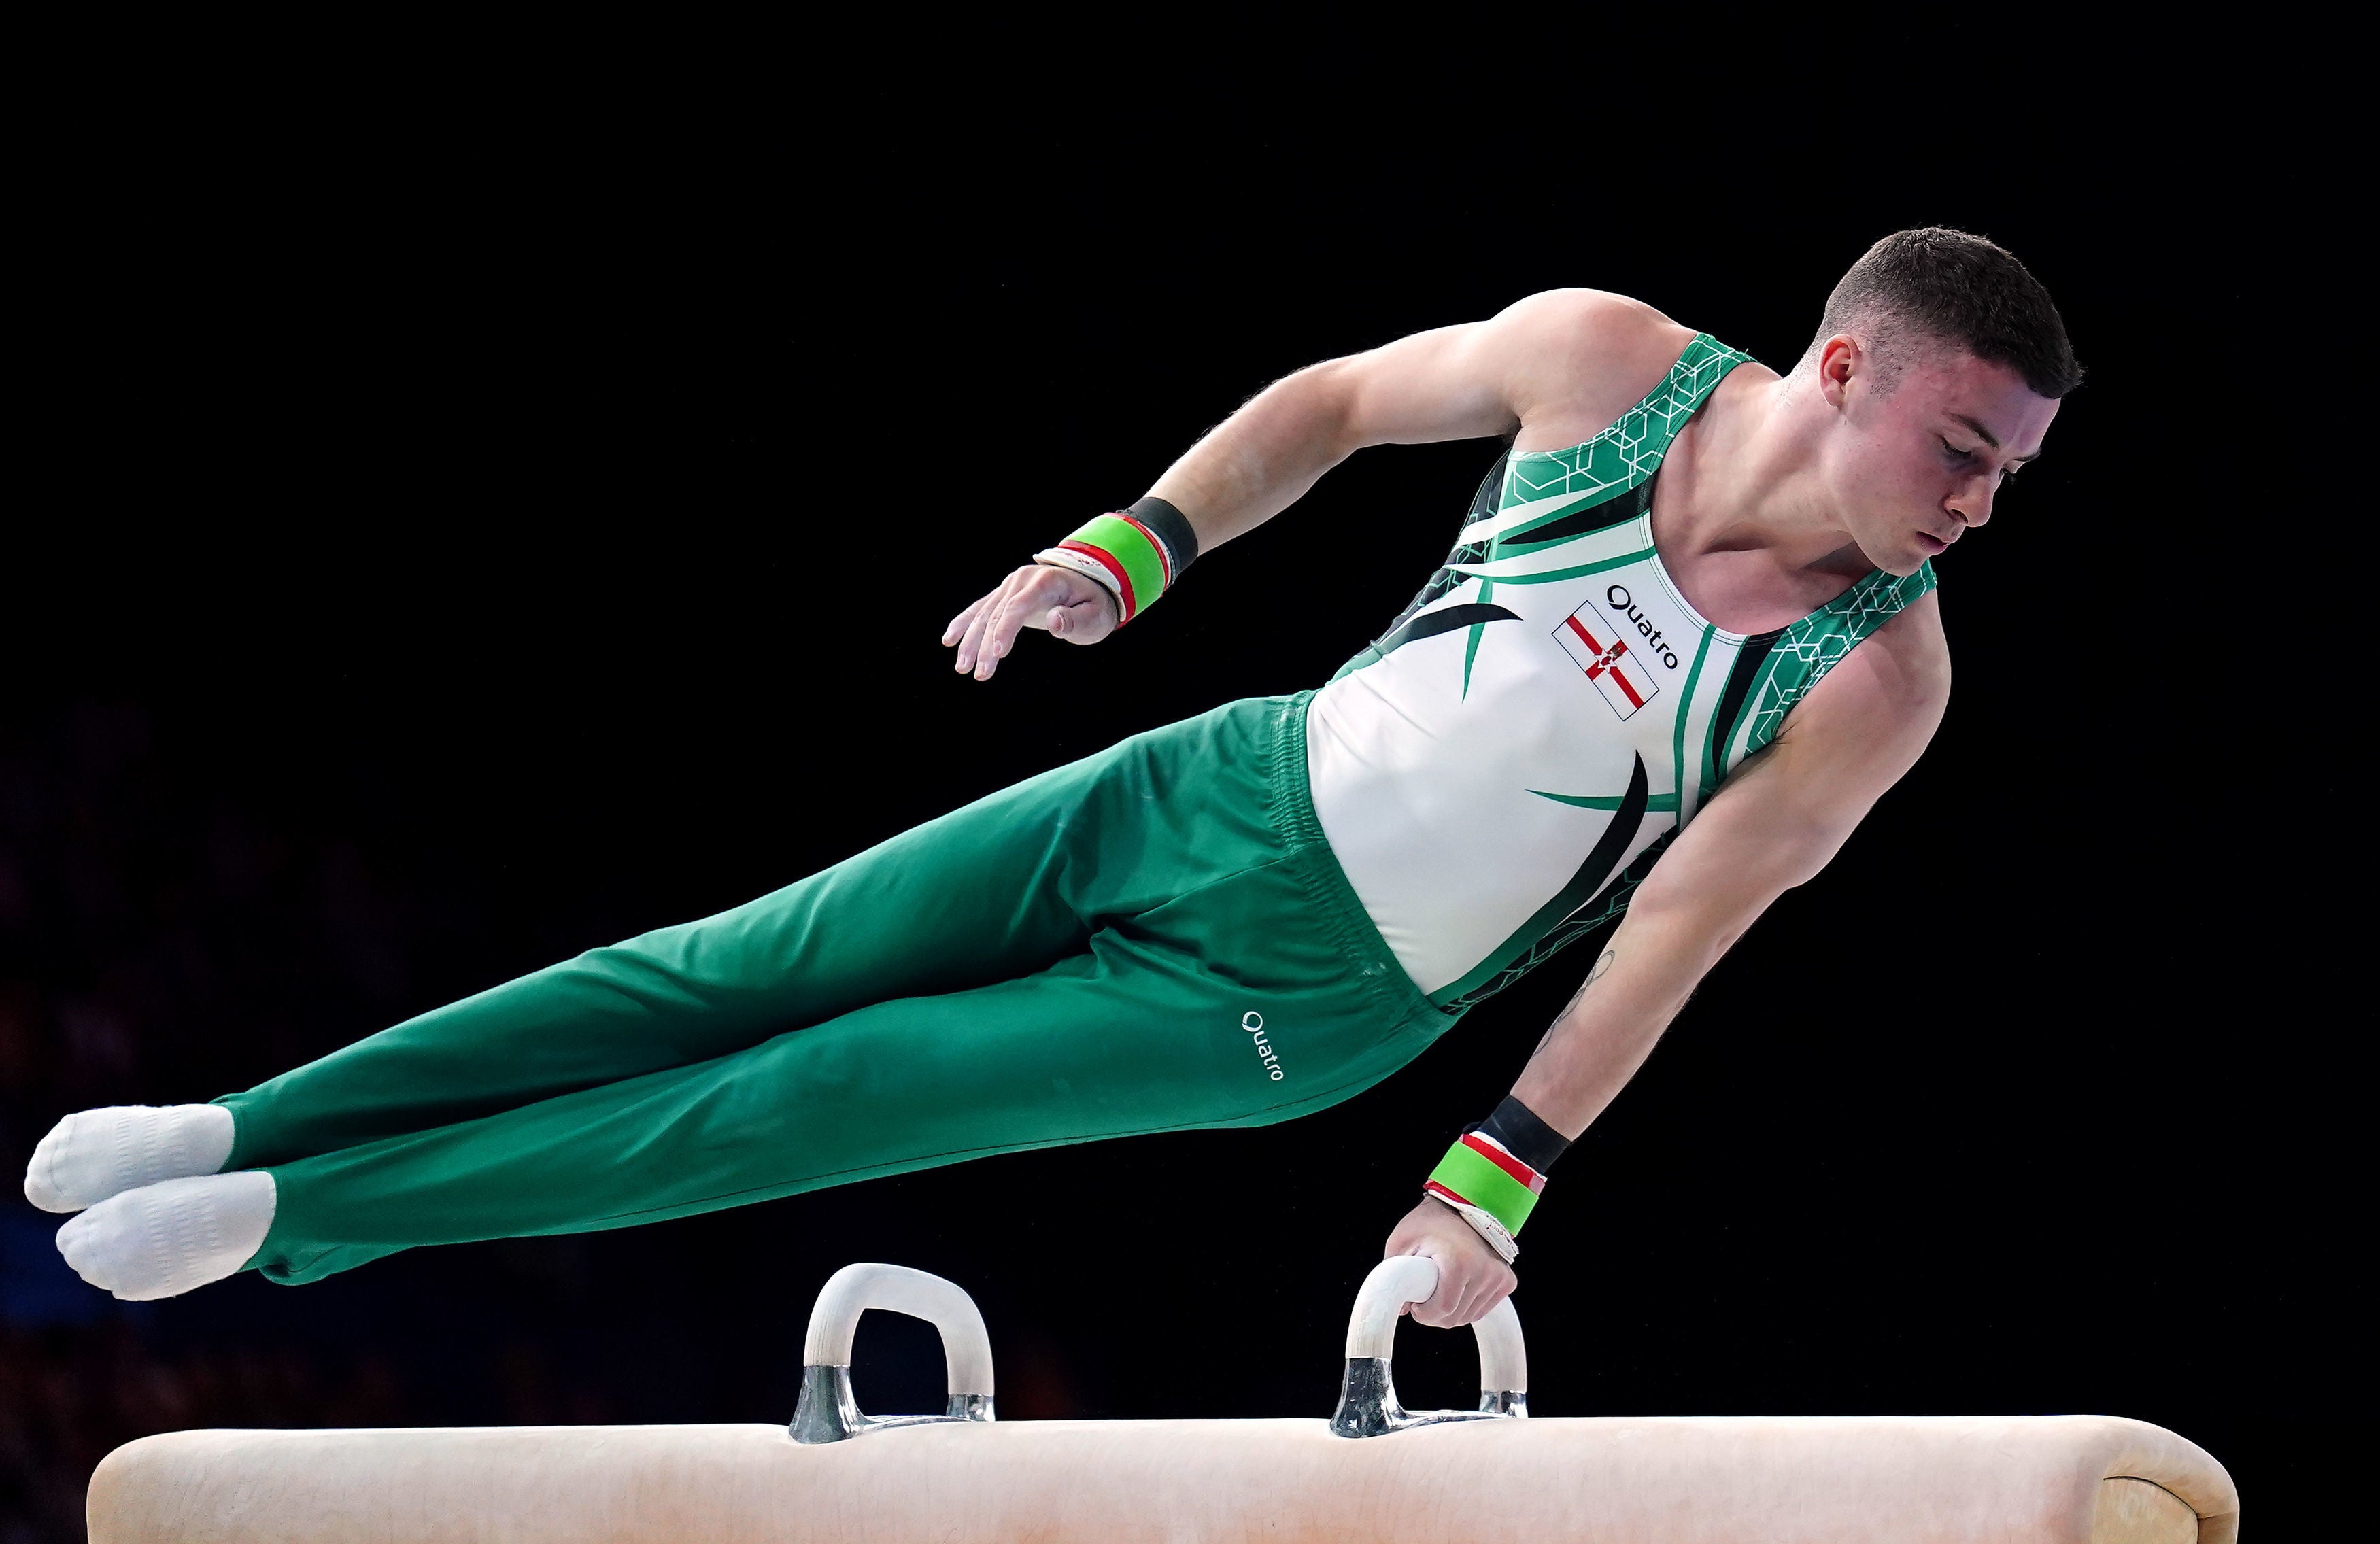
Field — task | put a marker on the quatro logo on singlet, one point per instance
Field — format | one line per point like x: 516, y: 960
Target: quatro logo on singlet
x: 1612, y: 643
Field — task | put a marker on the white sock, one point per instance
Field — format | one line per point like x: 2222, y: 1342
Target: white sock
x: 98, y: 1153
x: 164, y: 1239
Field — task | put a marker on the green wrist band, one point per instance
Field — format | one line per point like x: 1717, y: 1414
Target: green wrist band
x: 1125, y: 554
x: 1478, y: 1172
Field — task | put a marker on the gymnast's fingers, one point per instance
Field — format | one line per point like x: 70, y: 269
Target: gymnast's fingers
x: 1485, y: 1293
x: 957, y: 629
x: 1018, y: 606
x: 1000, y: 624
x: 971, y: 653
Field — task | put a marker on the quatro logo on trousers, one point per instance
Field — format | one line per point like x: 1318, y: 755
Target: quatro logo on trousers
x: 1252, y: 1022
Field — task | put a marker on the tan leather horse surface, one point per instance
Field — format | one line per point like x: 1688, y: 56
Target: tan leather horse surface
x: 2048, y: 1479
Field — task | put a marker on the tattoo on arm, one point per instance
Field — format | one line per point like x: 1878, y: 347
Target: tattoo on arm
x: 1593, y: 975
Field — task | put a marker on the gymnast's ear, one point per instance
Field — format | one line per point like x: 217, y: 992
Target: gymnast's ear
x: 1840, y: 359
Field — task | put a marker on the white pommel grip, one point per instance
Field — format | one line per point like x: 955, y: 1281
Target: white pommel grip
x: 855, y: 1289
x: 1372, y: 1328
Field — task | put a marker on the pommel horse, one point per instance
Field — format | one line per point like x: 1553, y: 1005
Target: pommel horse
x: 1374, y: 1472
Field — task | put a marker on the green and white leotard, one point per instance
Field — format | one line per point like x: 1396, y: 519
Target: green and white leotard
x: 1497, y: 772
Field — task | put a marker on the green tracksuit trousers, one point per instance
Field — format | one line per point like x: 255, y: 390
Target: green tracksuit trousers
x: 1154, y: 938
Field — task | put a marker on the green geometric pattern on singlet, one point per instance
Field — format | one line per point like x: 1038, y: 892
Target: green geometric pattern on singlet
x: 1626, y: 453
x: 1589, y: 479
x: 1805, y: 652
x: 1621, y: 459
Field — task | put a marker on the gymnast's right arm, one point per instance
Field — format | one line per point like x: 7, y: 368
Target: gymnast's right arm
x: 1773, y: 825
x: 1465, y: 382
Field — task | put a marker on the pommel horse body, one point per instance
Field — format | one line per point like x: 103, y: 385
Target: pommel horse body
x: 1374, y: 1471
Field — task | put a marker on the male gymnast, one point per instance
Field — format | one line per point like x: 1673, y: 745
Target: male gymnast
x: 1686, y: 637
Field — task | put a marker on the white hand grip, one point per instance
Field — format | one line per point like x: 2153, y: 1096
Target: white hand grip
x: 1504, y: 1359
x: 1395, y: 1282
x: 855, y: 1289
x: 1372, y: 1328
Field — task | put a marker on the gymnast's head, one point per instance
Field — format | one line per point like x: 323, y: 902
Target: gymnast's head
x: 1935, y: 374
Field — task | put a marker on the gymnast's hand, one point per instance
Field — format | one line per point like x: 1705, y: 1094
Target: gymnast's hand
x: 1058, y: 600
x: 1471, y: 1280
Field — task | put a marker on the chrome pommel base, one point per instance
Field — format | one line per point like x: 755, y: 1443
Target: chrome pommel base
x: 1367, y: 1391
x: 827, y: 1412
x: 1369, y: 1406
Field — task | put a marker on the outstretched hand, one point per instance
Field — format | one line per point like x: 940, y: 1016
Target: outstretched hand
x: 1470, y: 1279
x: 1059, y: 601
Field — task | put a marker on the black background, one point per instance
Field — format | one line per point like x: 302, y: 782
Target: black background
x: 481, y: 501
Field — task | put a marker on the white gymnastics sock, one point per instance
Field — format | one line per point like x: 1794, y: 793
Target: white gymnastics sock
x: 98, y: 1153
x: 164, y: 1239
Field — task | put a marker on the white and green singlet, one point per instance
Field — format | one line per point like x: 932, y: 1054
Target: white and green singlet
x: 1505, y: 764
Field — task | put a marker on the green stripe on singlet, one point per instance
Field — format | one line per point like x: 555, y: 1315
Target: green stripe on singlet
x: 1685, y: 710
x: 1654, y: 806
x: 1753, y: 656
x: 1611, y: 505
x: 1744, y: 715
x: 1558, y: 575
x: 1471, y: 644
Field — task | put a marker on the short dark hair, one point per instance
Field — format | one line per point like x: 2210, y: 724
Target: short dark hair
x: 1955, y: 289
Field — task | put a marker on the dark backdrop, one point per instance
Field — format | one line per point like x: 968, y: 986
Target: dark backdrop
x: 479, y: 513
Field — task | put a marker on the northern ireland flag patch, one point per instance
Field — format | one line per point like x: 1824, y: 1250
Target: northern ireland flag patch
x: 1597, y: 647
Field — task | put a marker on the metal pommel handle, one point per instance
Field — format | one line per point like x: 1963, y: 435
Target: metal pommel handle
x: 1367, y: 1394
x: 827, y: 1412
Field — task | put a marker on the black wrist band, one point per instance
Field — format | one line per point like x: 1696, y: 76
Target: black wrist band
x: 1172, y: 529
x: 1531, y: 1140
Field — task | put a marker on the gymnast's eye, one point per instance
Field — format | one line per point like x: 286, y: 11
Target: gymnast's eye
x: 1953, y: 452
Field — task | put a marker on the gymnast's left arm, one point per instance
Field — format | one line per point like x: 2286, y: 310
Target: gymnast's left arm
x: 1774, y: 824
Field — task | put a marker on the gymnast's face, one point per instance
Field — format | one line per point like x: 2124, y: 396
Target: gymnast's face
x: 1919, y: 453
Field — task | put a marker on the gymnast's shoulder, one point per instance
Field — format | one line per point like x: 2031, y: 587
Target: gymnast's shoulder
x: 1579, y: 359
